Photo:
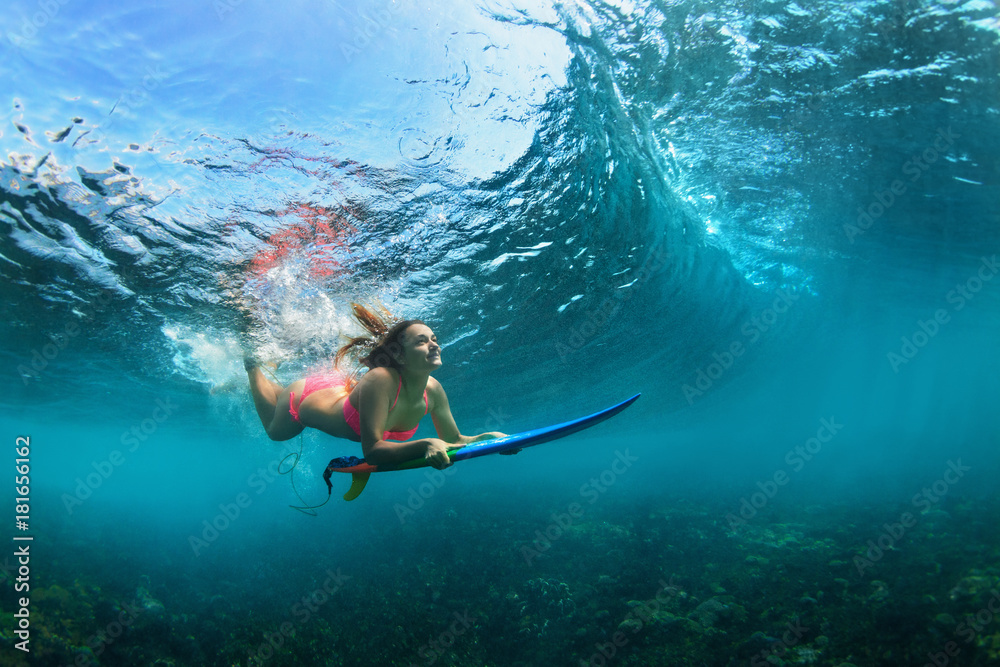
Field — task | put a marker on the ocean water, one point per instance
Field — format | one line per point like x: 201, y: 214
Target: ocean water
x: 776, y: 220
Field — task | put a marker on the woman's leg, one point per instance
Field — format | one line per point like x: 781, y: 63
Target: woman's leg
x: 271, y: 402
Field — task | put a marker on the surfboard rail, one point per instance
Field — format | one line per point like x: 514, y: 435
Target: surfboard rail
x: 360, y: 469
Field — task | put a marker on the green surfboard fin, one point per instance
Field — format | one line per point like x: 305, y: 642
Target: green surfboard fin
x: 358, y: 482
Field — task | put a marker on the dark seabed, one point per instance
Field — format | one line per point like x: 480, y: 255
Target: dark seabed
x: 774, y: 220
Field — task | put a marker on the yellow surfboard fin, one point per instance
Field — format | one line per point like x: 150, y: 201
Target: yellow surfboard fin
x: 358, y: 481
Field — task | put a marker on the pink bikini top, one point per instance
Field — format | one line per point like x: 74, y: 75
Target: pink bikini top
x: 353, y: 417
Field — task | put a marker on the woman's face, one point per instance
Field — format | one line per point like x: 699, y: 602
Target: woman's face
x: 421, y: 351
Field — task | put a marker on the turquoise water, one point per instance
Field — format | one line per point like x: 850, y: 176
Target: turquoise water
x: 776, y: 221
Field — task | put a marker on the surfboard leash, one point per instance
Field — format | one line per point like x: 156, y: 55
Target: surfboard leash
x: 304, y: 508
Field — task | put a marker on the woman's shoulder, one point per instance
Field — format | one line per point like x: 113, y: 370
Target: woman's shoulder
x: 434, y: 388
x: 379, y: 377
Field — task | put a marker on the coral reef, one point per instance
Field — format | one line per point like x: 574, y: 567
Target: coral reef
x: 669, y: 586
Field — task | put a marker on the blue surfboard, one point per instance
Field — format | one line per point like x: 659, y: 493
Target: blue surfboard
x: 360, y: 469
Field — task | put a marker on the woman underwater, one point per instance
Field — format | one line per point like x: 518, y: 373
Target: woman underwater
x: 385, y: 405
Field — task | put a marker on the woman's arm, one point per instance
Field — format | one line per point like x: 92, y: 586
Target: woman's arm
x: 444, y: 422
x: 489, y: 435
x: 374, y: 392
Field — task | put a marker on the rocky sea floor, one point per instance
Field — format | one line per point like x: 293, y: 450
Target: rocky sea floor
x: 662, y: 581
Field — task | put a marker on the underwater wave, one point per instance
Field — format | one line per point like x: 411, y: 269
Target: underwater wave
x: 680, y: 164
